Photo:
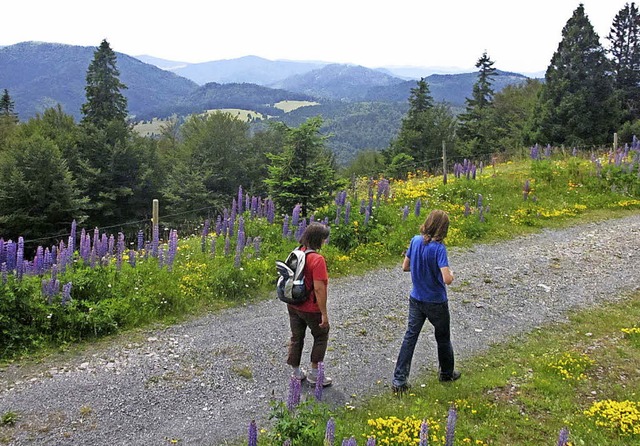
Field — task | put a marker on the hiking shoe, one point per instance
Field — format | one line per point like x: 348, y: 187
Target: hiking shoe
x: 313, y: 378
x: 299, y: 374
x: 447, y: 378
x: 400, y: 390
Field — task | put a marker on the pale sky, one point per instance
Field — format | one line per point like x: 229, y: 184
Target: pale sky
x: 518, y: 35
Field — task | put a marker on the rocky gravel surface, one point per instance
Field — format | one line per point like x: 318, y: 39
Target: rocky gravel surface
x: 203, y: 381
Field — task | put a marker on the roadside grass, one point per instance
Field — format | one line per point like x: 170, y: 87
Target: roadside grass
x: 212, y: 272
x: 583, y: 374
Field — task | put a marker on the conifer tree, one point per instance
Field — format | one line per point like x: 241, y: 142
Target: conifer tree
x: 105, y: 102
x: 577, y: 106
x: 7, y: 106
x: 303, y: 173
x: 476, y: 129
x: 425, y: 126
x: 624, y: 37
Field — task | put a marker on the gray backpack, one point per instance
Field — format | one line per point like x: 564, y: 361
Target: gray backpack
x: 290, y: 287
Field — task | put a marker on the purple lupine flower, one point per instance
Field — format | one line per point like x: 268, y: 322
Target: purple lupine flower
x: 285, y: 227
x: 234, y: 214
x: 219, y: 225
x: 337, y: 220
x: 66, y: 293
x: 479, y: 200
x: 547, y: 151
x: 301, y: 227
x: 526, y: 189
x: 481, y: 214
x: 271, y: 211
x: 240, y: 242
x: 255, y: 206
x: 535, y: 152
x: 132, y: 258
x: 563, y: 438
x: 416, y: 210
x: 20, y: 258
x: 367, y: 215
x: 47, y: 260
x: 349, y: 442
x: 287, y: 442
x: 320, y: 380
x: 253, y: 434
x: 451, y: 427
x: 347, y: 213
x: 473, y: 172
x: 12, y: 249
x: 38, y: 261
x: 239, y: 202
x: 173, y: 248
x: 241, y: 225
x: 575, y: 151
x: 140, y: 240
x: 155, y: 240
x: 424, y: 433
x: 112, y: 245
x: 205, y: 233
x: 72, y: 236
x: 295, y: 214
x: 405, y: 213
x: 330, y: 432
x: 119, y: 251
x: 161, y: 257
x: 362, y: 206
x: 93, y: 257
x: 294, y: 393
x: 371, y: 441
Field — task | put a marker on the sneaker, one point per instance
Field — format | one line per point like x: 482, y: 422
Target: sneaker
x: 400, y: 390
x: 313, y: 378
x: 299, y: 374
x: 454, y: 376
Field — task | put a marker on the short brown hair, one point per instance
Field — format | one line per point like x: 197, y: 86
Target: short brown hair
x: 314, y: 235
x: 436, y: 226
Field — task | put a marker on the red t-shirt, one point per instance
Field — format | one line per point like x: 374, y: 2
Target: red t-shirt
x: 315, y: 269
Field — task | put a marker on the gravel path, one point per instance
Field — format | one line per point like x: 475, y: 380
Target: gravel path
x: 201, y: 382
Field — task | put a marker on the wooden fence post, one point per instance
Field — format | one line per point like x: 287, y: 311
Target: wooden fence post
x: 156, y: 213
x: 444, y: 162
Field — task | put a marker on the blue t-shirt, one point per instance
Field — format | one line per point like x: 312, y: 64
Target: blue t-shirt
x: 426, y: 261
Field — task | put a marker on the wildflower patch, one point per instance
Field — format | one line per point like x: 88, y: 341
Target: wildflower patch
x: 620, y: 416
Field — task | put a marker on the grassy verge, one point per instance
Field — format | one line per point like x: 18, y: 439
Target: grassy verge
x: 583, y: 375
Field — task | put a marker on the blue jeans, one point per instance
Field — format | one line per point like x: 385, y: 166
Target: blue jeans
x: 438, y: 316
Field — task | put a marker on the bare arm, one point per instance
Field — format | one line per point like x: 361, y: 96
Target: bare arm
x: 406, y: 264
x: 320, y: 290
x: 447, y: 275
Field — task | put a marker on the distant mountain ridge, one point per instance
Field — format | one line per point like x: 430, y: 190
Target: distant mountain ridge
x: 361, y: 107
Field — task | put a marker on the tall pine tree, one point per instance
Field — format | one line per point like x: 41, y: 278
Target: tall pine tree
x: 419, y: 142
x: 476, y: 129
x: 624, y: 37
x: 303, y: 173
x: 105, y: 102
x: 577, y: 106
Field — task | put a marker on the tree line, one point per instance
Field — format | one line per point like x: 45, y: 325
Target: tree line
x: 100, y: 173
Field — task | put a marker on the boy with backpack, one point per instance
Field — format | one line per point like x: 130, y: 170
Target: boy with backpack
x: 312, y: 312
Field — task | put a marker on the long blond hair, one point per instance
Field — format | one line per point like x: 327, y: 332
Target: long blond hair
x: 435, y: 227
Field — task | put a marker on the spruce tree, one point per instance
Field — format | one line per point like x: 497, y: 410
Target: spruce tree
x: 105, y: 102
x: 476, y: 129
x: 303, y: 173
x: 425, y: 126
x: 624, y: 37
x: 577, y: 106
x: 7, y: 106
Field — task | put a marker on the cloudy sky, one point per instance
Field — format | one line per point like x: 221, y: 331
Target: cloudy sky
x: 519, y: 35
